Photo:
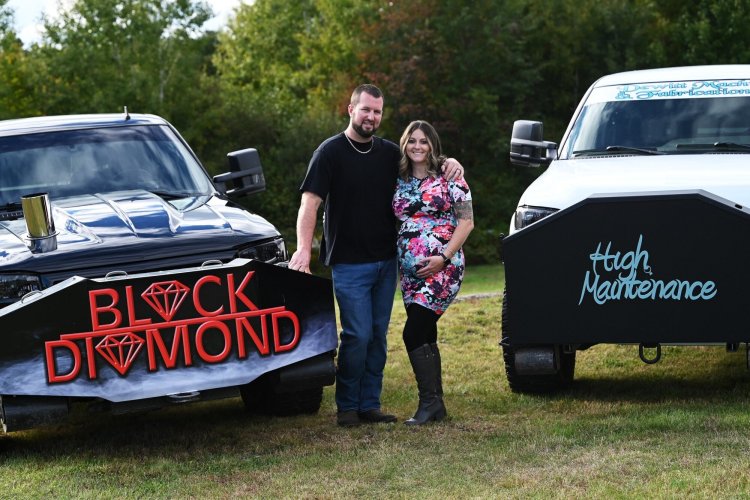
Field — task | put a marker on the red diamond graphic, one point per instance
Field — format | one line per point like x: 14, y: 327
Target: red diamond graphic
x: 120, y: 350
x: 165, y: 297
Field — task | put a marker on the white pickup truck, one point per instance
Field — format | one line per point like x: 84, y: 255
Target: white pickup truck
x: 636, y: 232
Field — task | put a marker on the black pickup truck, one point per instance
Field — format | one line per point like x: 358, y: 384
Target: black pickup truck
x: 130, y: 280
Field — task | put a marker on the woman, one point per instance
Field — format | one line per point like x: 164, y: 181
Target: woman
x: 436, y: 218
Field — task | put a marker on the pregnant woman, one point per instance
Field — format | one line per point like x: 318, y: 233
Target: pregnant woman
x: 436, y: 218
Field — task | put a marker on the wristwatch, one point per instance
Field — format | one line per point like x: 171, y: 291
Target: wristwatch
x: 446, y: 260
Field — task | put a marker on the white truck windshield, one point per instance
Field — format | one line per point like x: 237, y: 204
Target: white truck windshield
x: 663, y: 118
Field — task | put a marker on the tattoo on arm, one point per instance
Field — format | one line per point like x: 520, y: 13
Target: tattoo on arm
x: 463, y: 210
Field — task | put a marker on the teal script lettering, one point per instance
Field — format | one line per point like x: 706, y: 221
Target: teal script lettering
x: 624, y: 269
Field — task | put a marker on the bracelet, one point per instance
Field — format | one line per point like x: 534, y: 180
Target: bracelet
x: 446, y: 260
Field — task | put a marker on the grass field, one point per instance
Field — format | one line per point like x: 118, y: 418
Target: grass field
x: 483, y: 279
x: 625, y: 430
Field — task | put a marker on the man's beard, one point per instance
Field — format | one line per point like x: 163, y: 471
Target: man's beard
x: 362, y: 132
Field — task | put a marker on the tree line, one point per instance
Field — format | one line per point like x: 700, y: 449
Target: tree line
x: 279, y: 76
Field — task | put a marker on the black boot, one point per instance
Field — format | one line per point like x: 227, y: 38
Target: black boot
x: 430, y: 405
x: 439, y: 369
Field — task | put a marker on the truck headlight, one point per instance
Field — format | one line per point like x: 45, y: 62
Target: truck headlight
x: 270, y: 252
x: 526, y: 215
x: 15, y: 286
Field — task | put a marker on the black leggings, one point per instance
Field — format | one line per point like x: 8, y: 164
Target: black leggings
x: 420, y: 327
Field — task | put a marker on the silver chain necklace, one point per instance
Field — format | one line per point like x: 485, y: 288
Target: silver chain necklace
x: 372, y: 143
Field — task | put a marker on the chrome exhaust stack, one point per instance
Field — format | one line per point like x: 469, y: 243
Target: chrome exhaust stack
x: 37, y: 212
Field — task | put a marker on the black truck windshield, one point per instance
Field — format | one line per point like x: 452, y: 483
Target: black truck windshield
x: 98, y: 160
x: 672, y: 126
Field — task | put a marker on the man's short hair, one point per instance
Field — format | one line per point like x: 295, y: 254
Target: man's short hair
x: 366, y: 88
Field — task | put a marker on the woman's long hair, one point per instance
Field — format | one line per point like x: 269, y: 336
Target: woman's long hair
x: 436, y: 157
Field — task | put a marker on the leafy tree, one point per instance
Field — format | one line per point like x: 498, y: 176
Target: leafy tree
x: 331, y: 53
x: 259, y: 55
x: 707, y: 32
x: 16, y: 71
x: 101, y: 55
x: 567, y: 45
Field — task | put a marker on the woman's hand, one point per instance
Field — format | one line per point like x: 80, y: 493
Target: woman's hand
x: 429, y: 266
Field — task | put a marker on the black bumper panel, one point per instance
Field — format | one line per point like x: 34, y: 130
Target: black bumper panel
x: 165, y: 334
x: 669, y: 267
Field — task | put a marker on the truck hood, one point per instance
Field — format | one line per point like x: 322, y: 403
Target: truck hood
x: 569, y: 181
x: 119, y: 228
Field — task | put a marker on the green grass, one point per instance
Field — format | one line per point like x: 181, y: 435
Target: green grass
x: 625, y: 430
x: 483, y: 279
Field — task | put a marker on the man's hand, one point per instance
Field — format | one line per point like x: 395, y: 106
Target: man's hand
x: 452, y: 170
x: 306, y: 217
x: 300, y: 261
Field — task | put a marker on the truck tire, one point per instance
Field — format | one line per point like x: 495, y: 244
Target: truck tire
x: 292, y: 390
x: 262, y: 398
x: 523, y: 383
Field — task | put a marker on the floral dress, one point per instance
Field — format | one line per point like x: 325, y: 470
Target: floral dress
x: 424, y: 207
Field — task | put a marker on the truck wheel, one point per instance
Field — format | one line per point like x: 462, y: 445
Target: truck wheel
x: 262, y: 397
x: 535, y: 383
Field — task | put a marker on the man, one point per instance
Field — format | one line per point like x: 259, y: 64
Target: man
x: 355, y: 173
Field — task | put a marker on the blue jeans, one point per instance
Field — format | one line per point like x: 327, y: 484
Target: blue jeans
x: 364, y: 293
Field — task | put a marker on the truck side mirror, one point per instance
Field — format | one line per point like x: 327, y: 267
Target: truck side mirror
x: 245, y: 173
x: 527, y: 148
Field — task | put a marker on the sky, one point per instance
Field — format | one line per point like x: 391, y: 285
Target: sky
x: 27, y: 14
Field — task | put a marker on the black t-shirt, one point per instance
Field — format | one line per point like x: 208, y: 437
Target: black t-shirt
x: 358, y: 224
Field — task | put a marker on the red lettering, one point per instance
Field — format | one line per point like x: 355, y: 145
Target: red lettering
x: 243, y: 325
x: 52, y: 376
x: 154, y: 338
x: 131, y: 309
x: 196, y: 298
x: 96, y: 310
x: 203, y: 333
x: 90, y: 357
x: 237, y: 293
x: 202, y: 352
x: 275, y: 322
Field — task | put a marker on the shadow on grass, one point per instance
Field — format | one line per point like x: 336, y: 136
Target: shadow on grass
x: 200, y: 429
x: 717, y: 383
x: 697, y: 374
